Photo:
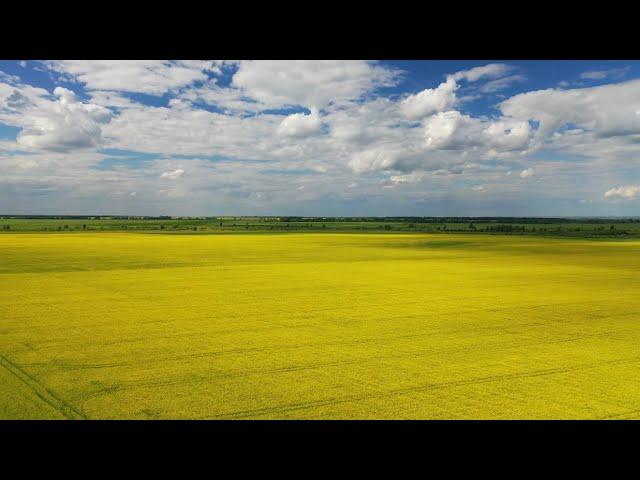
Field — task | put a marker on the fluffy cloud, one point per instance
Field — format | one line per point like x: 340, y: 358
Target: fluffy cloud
x: 443, y: 97
x: 506, y: 135
x: 173, y: 175
x: 373, y: 160
x: 239, y: 147
x: 144, y: 76
x: 300, y: 125
x: 491, y: 70
x: 454, y: 131
x: 607, y: 111
x: 526, y: 173
x: 629, y: 192
x: 232, y: 100
x: 361, y: 125
x: 63, y: 125
x: 430, y: 100
x: 450, y: 130
x: 15, y: 97
x: 413, y: 177
x: 193, y: 131
x: 310, y: 83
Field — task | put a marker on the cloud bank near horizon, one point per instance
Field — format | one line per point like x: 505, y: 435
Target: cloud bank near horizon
x: 316, y: 138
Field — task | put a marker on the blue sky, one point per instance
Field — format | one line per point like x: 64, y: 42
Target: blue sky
x: 551, y: 138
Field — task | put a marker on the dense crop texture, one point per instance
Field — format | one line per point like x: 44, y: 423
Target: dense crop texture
x: 146, y: 326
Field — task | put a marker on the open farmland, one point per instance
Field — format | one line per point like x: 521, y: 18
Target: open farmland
x: 318, y: 325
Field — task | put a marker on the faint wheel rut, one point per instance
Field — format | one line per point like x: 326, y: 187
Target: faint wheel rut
x: 418, y: 388
x: 45, y: 394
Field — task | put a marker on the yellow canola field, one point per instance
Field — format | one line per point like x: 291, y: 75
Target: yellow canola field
x: 347, y: 326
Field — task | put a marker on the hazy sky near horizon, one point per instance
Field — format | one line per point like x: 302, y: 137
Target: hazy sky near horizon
x: 473, y: 138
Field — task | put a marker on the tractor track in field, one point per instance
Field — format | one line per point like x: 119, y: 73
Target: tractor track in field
x: 409, y: 390
x: 626, y: 415
x: 45, y: 394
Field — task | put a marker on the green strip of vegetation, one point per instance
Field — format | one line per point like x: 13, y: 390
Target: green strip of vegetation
x: 565, y: 227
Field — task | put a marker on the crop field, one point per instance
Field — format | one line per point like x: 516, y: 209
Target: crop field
x: 107, y: 325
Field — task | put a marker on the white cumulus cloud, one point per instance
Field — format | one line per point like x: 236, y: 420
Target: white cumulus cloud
x: 173, y: 175
x: 430, y: 100
x: 607, y: 110
x: 451, y: 130
x: 526, y: 173
x: 310, y: 83
x: 628, y: 192
x: 300, y: 125
x: 144, y: 76
x: 373, y: 160
x: 241, y: 147
x: 64, y: 125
